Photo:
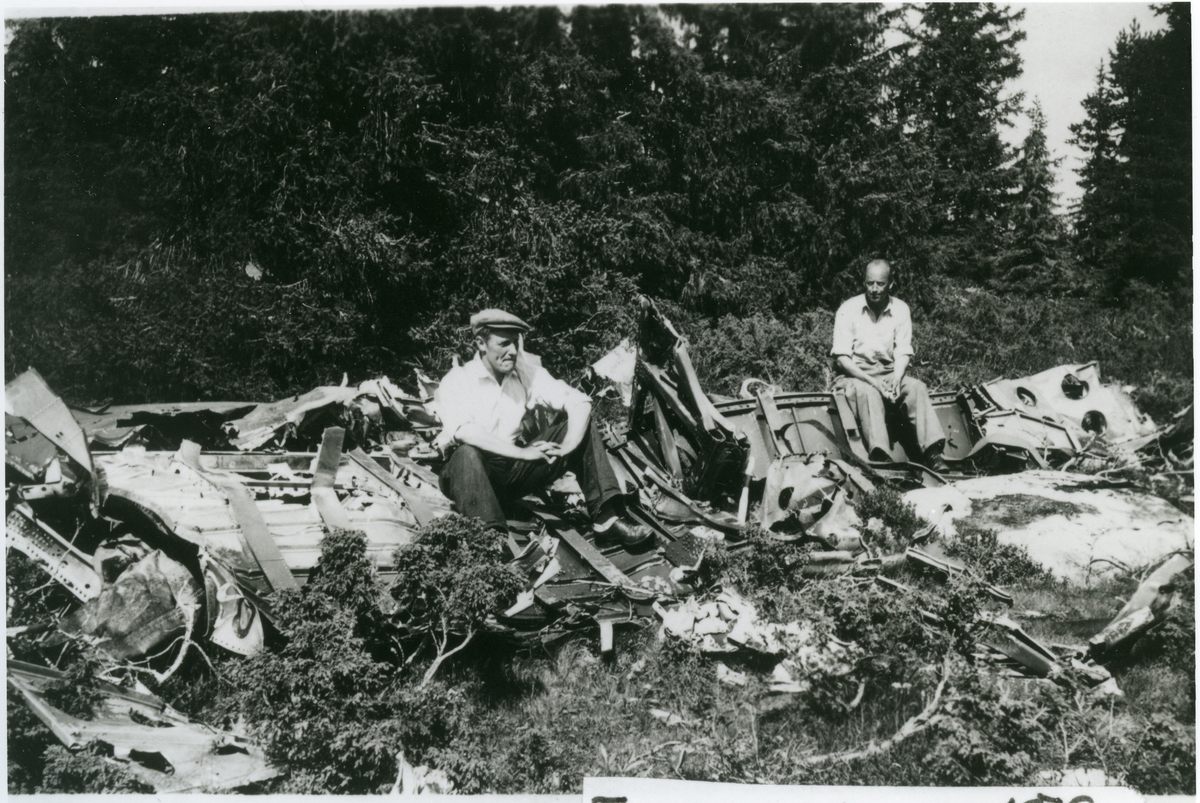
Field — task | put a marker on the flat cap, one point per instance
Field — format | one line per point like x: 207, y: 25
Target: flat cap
x: 497, y: 319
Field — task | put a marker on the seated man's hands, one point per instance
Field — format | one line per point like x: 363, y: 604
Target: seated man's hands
x: 539, y: 451
x: 888, y: 386
x: 553, y: 450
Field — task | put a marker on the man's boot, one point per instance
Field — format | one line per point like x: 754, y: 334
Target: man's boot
x: 934, y: 461
x: 623, y: 533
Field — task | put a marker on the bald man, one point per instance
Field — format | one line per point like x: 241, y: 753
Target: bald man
x: 872, y: 343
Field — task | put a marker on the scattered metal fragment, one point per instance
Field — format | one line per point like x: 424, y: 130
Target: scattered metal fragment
x: 159, y: 745
x: 1148, y: 607
x: 24, y: 532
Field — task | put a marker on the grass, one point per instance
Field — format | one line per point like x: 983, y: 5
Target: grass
x: 1069, y: 613
x: 539, y: 721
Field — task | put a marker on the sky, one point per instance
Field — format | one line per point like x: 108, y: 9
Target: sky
x: 1064, y: 47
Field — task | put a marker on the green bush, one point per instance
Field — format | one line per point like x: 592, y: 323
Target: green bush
x: 448, y: 580
x: 325, y: 709
x: 899, y: 518
x: 985, y: 739
x: 78, y: 694
x: 345, y: 573
x: 732, y: 349
x: 1000, y: 564
x: 1163, y: 758
x: 87, y: 772
x: 765, y: 567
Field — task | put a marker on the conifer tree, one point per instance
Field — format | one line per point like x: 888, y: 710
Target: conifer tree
x: 1134, y: 221
x: 1097, y: 136
x: 1036, y: 246
x: 952, y: 93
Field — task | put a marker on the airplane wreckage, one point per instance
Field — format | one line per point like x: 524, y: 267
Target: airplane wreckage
x: 172, y: 524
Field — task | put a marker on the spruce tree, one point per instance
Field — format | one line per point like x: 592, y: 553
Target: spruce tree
x: 952, y: 92
x: 1135, y: 219
x: 1097, y: 136
x: 1036, y: 241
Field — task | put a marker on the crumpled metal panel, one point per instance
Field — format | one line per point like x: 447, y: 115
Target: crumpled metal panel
x: 1045, y: 433
x: 196, y: 756
x: 955, y: 417
x: 150, y: 602
x: 265, y: 420
x: 114, y: 426
x: 26, y: 449
x: 805, y: 492
x: 1146, y: 607
x: 1074, y: 395
x: 191, y: 508
x: 29, y: 397
x: 779, y: 423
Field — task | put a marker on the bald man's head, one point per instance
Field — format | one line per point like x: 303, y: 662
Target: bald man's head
x: 877, y: 283
x: 878, y: 264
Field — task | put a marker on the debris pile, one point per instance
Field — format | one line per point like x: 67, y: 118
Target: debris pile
x: 729, y: 626
x: 169, y: 526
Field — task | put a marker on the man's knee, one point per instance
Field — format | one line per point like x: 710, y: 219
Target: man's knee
x: 862, y: 392
x: 465, y: 456
x: 913, y: 389
x: 464, y: 461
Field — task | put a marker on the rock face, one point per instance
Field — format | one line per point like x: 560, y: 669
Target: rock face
x: 1077, y: 526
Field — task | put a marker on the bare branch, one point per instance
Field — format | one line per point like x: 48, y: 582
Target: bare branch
x: 443, y: 656
x: 912, y: 727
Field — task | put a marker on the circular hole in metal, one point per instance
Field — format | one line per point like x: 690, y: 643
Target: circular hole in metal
x: 1073, y: 387
x: 785, y: 497
x: 1026, y: 396
x: 1094, y: 421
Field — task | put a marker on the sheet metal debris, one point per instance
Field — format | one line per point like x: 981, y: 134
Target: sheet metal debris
x: 172, y: 523
x: 1149, y: 606
x: 159, y: 745
x: 1074, y: 396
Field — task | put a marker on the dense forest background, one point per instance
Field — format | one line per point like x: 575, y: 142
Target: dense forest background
x: 243, y: 206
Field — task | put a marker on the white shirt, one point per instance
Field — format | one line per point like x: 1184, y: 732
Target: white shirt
x: 872, y: 341
x: 469, y: 394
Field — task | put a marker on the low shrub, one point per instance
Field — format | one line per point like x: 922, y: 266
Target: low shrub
x: 997, y: 563
x: 985, y: 739
x: 324, y: 707
x: 88, y: 772
x: 895, y: 520
x: 448, y: 580
x: 764, y: 567
x: 1163, y: 758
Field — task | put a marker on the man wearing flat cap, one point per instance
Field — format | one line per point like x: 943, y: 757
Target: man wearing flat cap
x: 484, y: 406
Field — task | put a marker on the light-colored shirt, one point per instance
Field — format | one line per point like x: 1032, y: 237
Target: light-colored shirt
x: 872, y: 341
x: 471, y: 395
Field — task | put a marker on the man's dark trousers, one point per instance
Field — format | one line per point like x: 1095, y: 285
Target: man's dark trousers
x: 474, y: 479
